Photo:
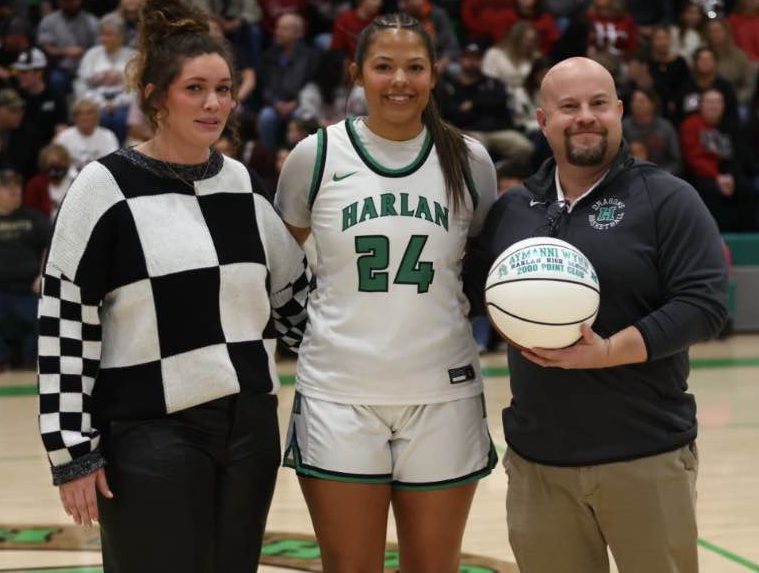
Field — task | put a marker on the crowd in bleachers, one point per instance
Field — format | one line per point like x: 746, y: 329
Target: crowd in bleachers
x: 62, y: 68
x: 686, y: 72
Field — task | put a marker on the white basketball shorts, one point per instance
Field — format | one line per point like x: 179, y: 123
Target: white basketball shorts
x: 426, y: 446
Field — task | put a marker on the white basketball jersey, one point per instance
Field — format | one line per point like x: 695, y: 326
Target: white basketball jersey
x: 388, y: 317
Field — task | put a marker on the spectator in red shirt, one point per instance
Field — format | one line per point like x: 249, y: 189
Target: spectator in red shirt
x: 744, y: 22
x: 713, y: 164
x: 487, y: 19
x: 532, y: 11
x: 351, y: 22
x: 612, y: 29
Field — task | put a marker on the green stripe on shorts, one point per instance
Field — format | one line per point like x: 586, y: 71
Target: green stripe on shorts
x: 455, y: 482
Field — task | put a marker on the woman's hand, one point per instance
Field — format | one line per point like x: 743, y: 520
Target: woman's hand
x: 79, y: 497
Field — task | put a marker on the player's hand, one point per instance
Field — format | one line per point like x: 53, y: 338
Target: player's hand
x: 79, y: 497
x: 591, y: 351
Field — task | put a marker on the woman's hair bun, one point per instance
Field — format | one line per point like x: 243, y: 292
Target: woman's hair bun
x: 162, y: 19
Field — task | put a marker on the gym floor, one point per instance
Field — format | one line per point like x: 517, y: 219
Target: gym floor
x: 724, y: 378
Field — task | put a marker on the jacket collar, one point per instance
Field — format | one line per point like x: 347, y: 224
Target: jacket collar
x: 543, y: 187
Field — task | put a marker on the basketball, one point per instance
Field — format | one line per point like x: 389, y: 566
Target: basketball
x: 539, y: 291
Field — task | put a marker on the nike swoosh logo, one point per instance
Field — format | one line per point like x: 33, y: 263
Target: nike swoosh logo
x: 533, y: 202
x: 337, y: 177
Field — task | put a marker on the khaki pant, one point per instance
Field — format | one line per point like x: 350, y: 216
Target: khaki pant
x: 561, y: 519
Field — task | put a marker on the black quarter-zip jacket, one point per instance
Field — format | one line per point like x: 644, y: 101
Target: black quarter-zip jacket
x: 661, y: 267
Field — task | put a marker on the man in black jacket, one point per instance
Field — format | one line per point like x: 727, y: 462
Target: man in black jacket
x: 601, y: 434
x: 478, y: 105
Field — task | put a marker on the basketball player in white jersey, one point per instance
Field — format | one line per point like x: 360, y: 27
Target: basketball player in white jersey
x: 389, y: 405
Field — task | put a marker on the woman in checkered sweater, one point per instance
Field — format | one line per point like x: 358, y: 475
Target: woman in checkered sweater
x: 167, y: 284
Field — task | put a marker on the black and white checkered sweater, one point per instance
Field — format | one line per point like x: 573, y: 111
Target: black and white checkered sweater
x: 158, y: 297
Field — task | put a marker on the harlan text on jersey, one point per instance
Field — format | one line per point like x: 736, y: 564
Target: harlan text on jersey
x: 395, y: 205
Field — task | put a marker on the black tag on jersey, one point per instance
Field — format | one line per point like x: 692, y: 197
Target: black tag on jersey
x: 462, y: 374
x: 296, y: 403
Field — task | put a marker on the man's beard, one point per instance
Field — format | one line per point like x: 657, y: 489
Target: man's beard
x: 586, y: 156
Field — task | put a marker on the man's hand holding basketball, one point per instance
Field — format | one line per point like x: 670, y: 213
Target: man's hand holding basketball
x: 593, y: 351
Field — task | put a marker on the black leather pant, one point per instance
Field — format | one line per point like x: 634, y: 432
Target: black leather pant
x: 192, y: 489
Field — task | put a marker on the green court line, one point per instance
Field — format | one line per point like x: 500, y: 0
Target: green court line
x: 7, y: 391
x: 729, y: 555
x: 745, y: 362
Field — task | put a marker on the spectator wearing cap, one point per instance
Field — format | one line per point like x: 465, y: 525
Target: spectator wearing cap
x: 19, y: 142
x: 65, y: 35
x: 478, y: 105
x: 86, y: 140
x: 101, y: 76
x: 24, y: 234
x: 45, y: 109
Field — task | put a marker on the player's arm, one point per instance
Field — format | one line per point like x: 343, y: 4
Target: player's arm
x: 294, y: 189
x: 478, y: 256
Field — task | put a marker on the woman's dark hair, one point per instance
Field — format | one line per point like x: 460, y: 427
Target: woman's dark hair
x: 171, y: 31
x: 449, y: 142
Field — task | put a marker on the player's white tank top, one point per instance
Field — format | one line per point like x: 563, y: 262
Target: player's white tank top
x: 388, y: 317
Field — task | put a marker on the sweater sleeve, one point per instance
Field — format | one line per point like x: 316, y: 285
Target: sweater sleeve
x: 692, y: 270
x: 69, y: 325
x: 289, y: 278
